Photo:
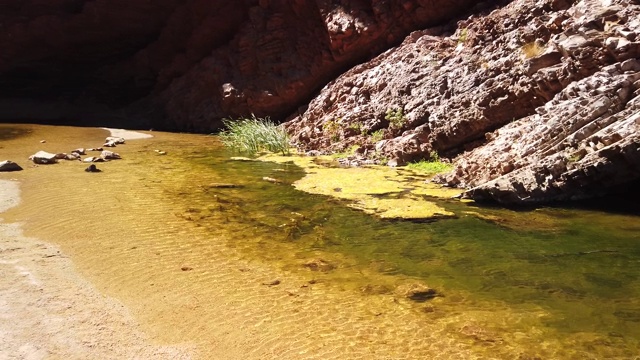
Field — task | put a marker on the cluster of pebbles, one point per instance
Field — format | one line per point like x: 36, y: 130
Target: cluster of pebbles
x: 43, y: 157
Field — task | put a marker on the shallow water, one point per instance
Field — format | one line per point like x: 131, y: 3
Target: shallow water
x: 546, y: 283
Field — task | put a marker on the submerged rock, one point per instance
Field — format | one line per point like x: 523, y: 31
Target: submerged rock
x: 319, y: 265
x: 9, y: 165
x: 417, y: 292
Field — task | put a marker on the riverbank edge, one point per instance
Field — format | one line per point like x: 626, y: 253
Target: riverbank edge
x: 50, y: 311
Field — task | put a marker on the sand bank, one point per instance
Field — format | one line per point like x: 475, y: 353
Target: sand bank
x: 48, y: 311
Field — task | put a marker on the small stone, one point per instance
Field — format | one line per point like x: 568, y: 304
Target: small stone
x: 186, y: 268
x: 92, y: 168
x: 43, y: 141
x: 272, y: 283
x: 319, y: 265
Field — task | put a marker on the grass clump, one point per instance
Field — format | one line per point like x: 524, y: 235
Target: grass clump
x: 432, y: 166
x: 532, y: 50
x: 253, y: 135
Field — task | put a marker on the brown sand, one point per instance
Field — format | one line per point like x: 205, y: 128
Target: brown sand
x: 47, y: 311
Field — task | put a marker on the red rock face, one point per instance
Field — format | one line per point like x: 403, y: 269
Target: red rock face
x: 185, y: 64
x: 536, y: 101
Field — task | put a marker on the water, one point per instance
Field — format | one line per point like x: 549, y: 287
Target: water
x: 546, y: 283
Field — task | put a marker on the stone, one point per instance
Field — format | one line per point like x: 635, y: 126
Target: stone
x: 115, y: 140
x: 9, y: 165
x: 319, y: 265
x: 110, y: 155
x: 43, y: 157
x: 79, y: 151
x: 418, y: 292
x: 92, y: 168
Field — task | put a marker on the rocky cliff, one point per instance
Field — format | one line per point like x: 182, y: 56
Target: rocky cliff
x: 532, y: 100
x: 536, y: 101
x: 185, y: 64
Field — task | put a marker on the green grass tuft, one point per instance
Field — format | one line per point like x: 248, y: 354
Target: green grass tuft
x: 253, y: 135
x: 430, y: 167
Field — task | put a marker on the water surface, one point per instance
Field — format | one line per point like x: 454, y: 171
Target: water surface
x: 546, y: 283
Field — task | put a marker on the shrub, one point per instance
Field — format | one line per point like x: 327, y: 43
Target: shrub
x: 252, y: 135
x: 377, y: 135
x: 396, y: 118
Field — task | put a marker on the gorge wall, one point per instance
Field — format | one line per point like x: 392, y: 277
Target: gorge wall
x: 186, y: 64
x: 537, y: 101
x: 532, y: 100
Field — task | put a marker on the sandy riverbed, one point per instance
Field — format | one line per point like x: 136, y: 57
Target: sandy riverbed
x: 48, y: 311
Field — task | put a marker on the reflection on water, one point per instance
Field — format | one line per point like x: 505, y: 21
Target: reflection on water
x: 549, y: 282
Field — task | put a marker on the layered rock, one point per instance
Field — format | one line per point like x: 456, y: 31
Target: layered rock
x: 185, y: 64
x: 536, y: 101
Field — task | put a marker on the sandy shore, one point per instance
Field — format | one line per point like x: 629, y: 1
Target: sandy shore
x: 47, y: 311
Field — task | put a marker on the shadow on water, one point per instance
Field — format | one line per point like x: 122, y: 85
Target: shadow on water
x: 9, y: 133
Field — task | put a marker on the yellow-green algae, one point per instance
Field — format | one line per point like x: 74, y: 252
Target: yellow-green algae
x: 385, y: 192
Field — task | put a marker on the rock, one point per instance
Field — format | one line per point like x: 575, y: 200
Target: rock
x: 43, y: 157
x: 272, y: 283
x: 79, y: 151
x: 109, y: 144
x: 109, y: 155
x: 93, y: 159
x: 160, y: 152
x: 114, y: 140
x: 192, y: 62
x: 95, y: 149
x: 536, y: 104
x: 186, y: 268
x: 319, y: 265
x: 417, y: 292
x: 271, y: 180
x: 9, y: 165
x: 43, y: 141
x: 92, y: 168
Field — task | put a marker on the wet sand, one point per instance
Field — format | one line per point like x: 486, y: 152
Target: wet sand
x: 48, y: 311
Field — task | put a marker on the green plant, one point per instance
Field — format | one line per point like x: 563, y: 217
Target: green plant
x: 252, y: 135
x: 332, y: 128
x: 396, y: 118
x: 432, y: 166
x: 462, y: 38
x: 377, y: 135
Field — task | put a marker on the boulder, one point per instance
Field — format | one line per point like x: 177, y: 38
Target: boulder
x: 9, y: 165
x: 43, y: 157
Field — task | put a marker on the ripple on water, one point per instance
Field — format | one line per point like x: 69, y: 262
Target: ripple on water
x: 507, y: 287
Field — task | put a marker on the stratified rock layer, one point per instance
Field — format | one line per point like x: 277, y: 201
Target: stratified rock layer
x: 186, y: 64
x: 540, y: 99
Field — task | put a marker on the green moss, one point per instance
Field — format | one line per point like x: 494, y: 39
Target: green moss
x: 430, y: 167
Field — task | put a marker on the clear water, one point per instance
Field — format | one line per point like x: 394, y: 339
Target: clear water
x: 544, y: 283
